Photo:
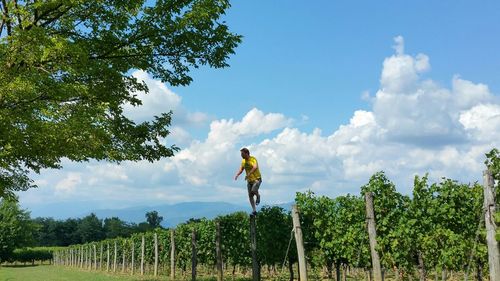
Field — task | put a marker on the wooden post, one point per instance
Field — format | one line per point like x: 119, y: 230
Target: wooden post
x: 107, y: 260
x: 253, y: 242
x: 300, y: 243
x: 218, y: 252
x: 133, y: 257
x: 142, y: 255
x: 123, y: 257
x: 156, y: 254
x: 172, y: 254
x: 89, y: 258
x: 100, y: 259
x: 115, y: 257
x: 372, y: 234
x: 489, y: 207
x: 95, y: 257
x: 193, y: 255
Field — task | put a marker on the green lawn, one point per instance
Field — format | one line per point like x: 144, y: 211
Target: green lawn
x: 58, y: 273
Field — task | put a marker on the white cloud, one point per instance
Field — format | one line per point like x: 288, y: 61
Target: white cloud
x: 415, y: 126
x: 68, y: 184
x: 160, y: 99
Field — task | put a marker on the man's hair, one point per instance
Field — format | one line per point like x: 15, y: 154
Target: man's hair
x: 244, y: 149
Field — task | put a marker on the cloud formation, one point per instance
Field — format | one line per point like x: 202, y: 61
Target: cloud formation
x: 415, y: 126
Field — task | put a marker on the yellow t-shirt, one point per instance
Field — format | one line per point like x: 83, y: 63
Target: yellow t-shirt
x: 247, y: 165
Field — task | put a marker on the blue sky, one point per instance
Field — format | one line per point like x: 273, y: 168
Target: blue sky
x: 325, y: 93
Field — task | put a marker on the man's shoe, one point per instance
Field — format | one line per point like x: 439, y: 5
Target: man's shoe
x: 258, y: 200
x: 254, y: 213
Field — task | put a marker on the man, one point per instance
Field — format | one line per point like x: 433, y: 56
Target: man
x: 253, y: 177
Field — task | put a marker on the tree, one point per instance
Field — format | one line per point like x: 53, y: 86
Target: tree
x: 153, y: 219
x: 114, y: 227
x: 66, y: 73
x: 16, y: 228
x: 90, y: 229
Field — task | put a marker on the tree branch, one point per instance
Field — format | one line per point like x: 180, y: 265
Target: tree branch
x: 100, y: 57
x: 19, y: 21
x: 6, y: 17
x: 58, y: 16
x: 42, y: 15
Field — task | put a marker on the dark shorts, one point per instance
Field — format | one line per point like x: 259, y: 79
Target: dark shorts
x: 254, y: 185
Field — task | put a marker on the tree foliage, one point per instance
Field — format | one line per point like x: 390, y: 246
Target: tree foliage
x: 16, y: 228
x: 66, y: 73
x: 154, y: 220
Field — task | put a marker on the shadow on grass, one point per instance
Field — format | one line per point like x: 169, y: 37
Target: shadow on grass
x: 19, y: 265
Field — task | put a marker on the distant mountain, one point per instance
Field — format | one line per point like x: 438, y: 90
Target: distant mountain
x: 172, y: 214
x: 177, y: 213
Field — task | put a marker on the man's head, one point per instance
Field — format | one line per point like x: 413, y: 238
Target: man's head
x: 245, y: 153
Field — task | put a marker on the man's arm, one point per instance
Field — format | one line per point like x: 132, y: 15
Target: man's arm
x: 238, y: 173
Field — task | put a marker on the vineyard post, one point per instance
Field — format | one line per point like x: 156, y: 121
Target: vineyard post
x: 218, y: 251
x: 100, y: 258
x: 253, y: 241
x: 133, y: 257
x: 107, y: 260
x: 142, y: 255
x: 89, y: 257
x: 81, y: 257
x: 300, y: 243
x: 85, y: 256
x: 193, y: 255
x: 156, y: 254
x: 95, y: 257
x: 88, y: 260
x: 172, y: 254
x: 115, y: 257
x: 372, y: 235
x: 489, y: 206
x: 123, y: 256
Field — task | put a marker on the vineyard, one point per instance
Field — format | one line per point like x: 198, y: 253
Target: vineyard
x: 438, y: 232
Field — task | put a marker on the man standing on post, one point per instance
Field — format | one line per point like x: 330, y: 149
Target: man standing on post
x: 253, y: 177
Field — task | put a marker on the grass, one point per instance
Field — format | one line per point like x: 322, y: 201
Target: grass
x: 59, y: 273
